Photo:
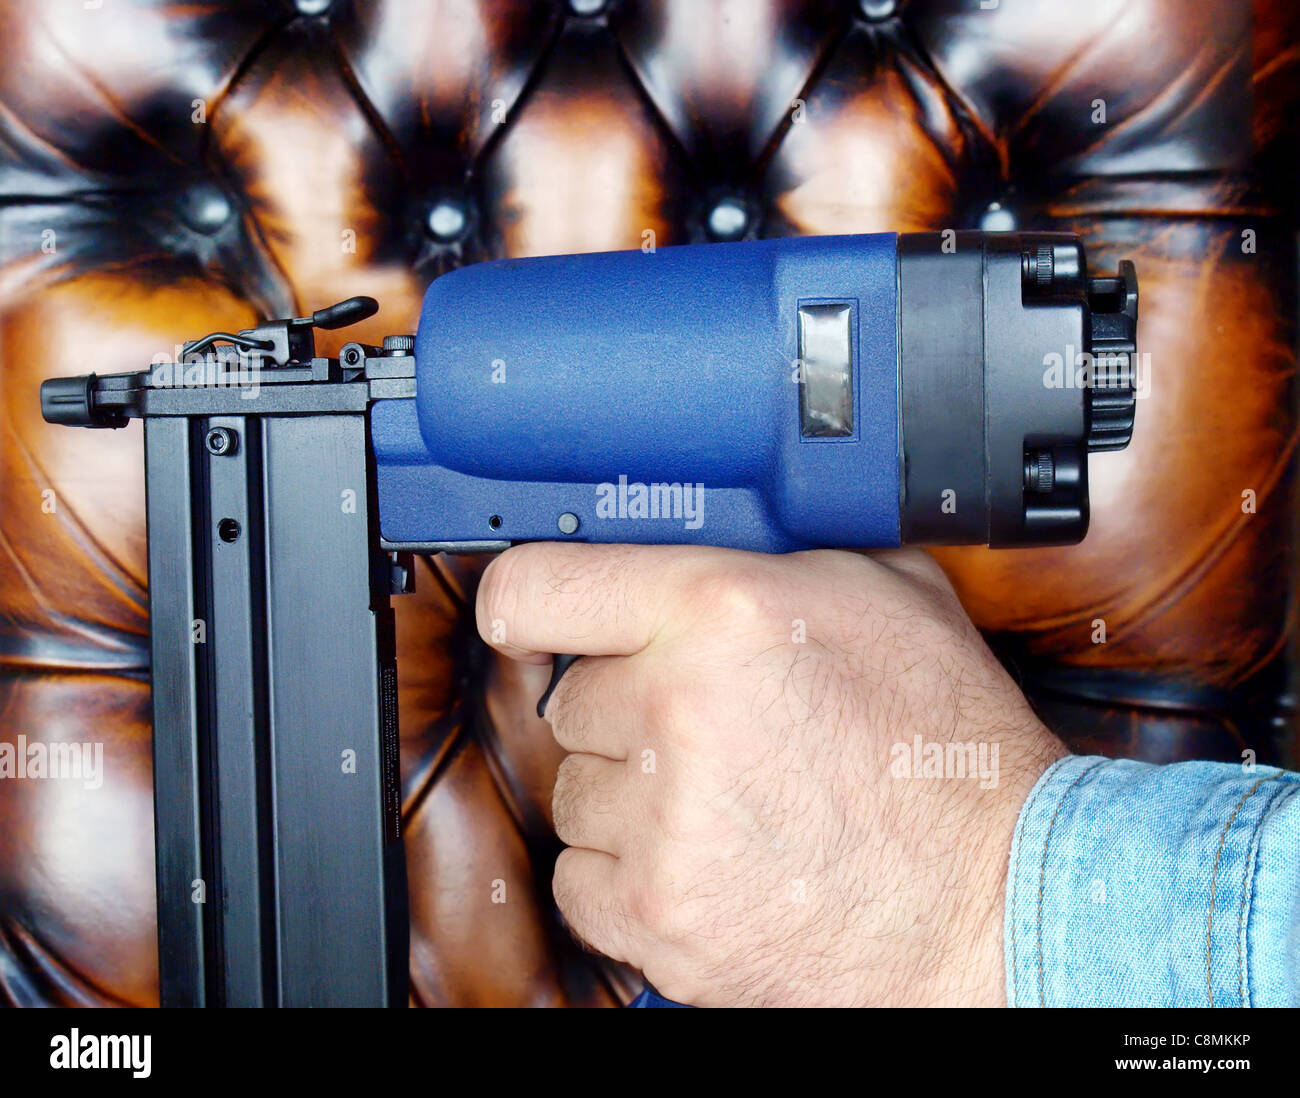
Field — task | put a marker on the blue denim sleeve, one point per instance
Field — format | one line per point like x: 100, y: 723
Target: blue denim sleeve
x: 1138, y: 885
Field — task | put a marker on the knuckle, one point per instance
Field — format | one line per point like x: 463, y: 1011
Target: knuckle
x: 650, y: 906
x: 684, y: 822
x: 731, y: 596
x: 676, y: 819
x: 657, y: 900
x: 671, y: 709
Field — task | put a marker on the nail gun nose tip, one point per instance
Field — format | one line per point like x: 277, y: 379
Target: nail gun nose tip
x: 67, y: 400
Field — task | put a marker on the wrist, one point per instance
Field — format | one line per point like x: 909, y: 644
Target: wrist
x: 974, y: 968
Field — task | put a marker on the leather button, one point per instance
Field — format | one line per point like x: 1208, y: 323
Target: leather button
x: 997, y: 218
x: 448, y: 220
x: 729, y: 219
x: 205, y: 208
x: 878, y: 11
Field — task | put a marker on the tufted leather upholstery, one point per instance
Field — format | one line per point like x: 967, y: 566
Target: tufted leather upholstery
x: 173, y: 168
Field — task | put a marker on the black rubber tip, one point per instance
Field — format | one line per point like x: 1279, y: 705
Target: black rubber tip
x: 71, y: 402
x: 67, y: 400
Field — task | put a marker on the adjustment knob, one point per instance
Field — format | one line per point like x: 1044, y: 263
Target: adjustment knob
x: 1112, y: 395
x: 399, y: 345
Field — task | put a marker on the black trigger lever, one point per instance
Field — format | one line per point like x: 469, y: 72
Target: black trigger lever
x: 560, y: 663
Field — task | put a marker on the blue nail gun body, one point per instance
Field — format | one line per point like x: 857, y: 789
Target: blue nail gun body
x: 854, y: 391
x: 650, y: 398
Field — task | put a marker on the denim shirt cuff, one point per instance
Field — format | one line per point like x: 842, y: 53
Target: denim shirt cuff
x: 1131, y: 884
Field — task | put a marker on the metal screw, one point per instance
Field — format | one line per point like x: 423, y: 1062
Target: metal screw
x: 221, y: 440
x: 568, y: 523
x: 1040, y: 471
x: 1038, y: 267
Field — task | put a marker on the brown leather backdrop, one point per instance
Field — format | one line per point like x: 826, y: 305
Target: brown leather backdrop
x: 170, y: 169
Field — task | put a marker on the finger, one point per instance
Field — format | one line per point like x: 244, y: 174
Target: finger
x: 589, y: 808
x: 587, y: 893
x: 596, y: 707
x: 583, y: 599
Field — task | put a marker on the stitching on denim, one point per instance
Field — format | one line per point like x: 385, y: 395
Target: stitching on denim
x: 1247, y: 878
x: 1042, y: 874
x: 1248, y: 889
x: 1214, y: 882
x: 1021, y: 824
x: 1252, y: 850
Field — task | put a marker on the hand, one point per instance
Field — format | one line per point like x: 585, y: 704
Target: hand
x: 742, y: 806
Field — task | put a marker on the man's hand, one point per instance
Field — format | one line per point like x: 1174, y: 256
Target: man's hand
x: 791, y: 780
